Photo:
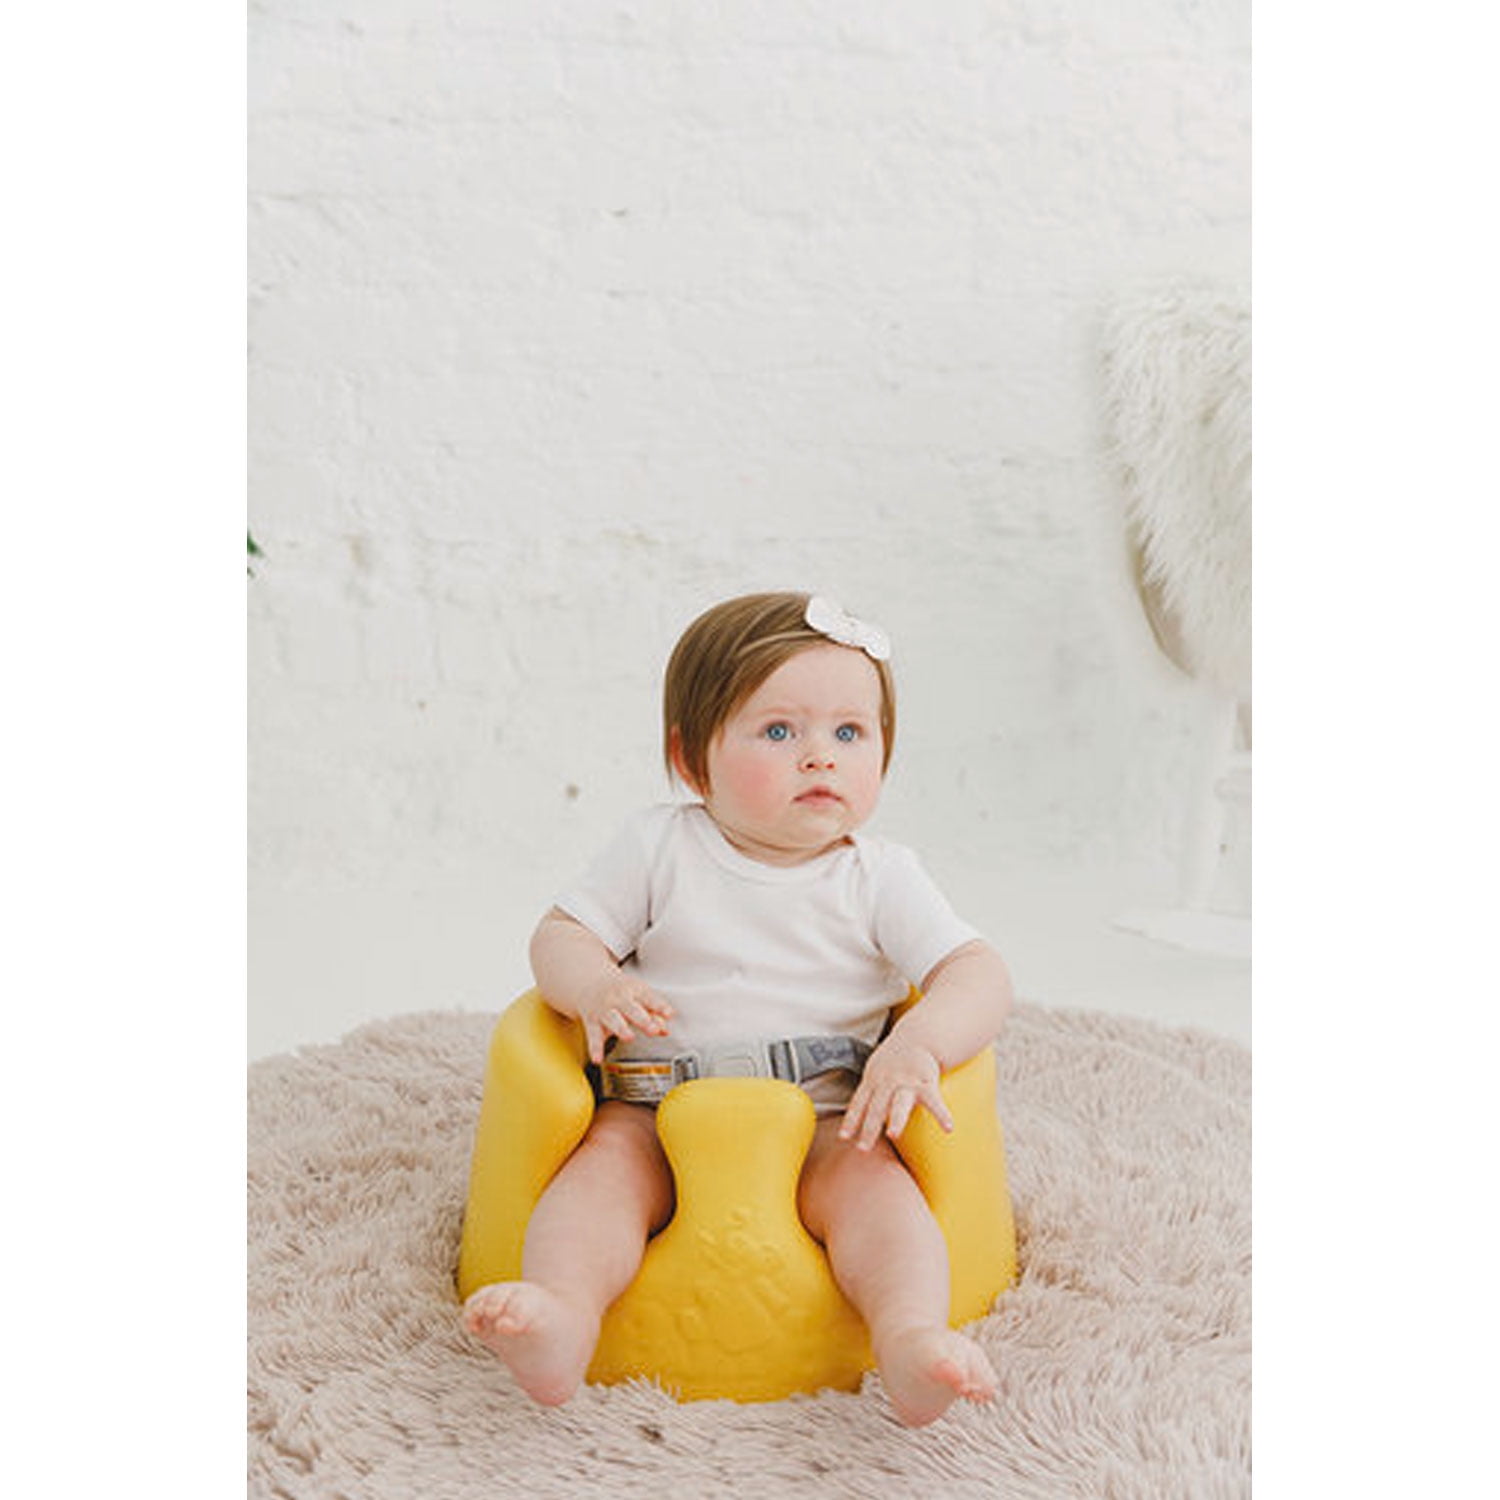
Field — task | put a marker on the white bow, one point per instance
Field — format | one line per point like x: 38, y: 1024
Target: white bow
x: 828, y: 619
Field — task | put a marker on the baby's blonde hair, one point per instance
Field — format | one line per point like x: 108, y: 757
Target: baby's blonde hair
x: 723, y: 656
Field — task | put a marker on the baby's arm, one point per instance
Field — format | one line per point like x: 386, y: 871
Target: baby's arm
x: 578, y: 976
x: 966, y: 999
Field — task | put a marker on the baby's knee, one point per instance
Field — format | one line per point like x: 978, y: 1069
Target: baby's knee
x: 622, y: 1146
x: 622, y: 1132
x: 839, y: 1178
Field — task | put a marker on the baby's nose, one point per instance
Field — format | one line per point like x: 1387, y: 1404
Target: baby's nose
x: 818, y: 751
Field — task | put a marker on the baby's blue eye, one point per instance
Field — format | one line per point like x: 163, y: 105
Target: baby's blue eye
x: 847, y: 732
x: 777, y: 731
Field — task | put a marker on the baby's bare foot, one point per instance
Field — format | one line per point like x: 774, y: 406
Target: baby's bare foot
x: 926, y: 1370
x: 546, y: 1342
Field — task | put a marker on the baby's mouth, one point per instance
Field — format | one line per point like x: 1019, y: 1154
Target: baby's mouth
x: 819, y: 795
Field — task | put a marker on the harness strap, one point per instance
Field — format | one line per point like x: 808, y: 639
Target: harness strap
x: 648, y: 1080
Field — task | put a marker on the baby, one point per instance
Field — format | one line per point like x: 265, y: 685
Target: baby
x: 761, y: 913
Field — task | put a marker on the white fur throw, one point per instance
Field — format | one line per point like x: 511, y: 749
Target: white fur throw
x: 1123, y: 1353
x: 1177, y: 398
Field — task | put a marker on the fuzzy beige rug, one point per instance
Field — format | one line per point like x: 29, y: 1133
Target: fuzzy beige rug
x: 1123, y: 1353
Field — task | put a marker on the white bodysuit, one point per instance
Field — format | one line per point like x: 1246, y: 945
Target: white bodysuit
x: 743, y: 950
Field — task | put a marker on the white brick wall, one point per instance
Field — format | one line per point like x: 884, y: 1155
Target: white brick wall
x: 568, y: 320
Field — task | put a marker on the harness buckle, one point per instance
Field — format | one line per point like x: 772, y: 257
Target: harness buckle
x: 753, y: 1059
x: 648, y: 1080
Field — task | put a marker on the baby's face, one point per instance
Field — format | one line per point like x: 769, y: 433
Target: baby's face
x: 797, y: 767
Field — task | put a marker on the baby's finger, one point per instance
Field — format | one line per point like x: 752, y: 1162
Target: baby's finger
x: 593, y: 1036
x: 901, y: 1107
x: 854, y: 1115
x: 656, y: 1005
x: 874, y: 1120
x: 649, y: 1020
x: 932, y: 1097
x: 617, y: 1025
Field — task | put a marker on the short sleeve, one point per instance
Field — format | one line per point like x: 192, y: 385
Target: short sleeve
x: 915, y: 927
x: 612, y: 898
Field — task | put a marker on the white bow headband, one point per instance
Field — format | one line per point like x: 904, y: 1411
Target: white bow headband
x: 824, y: 616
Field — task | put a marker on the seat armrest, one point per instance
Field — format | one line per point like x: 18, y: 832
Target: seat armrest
x: 536, y: 1108
x: 963, y: 1177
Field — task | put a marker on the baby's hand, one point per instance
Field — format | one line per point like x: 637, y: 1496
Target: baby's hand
x: 899, y: 1076
x: 619, y: 1005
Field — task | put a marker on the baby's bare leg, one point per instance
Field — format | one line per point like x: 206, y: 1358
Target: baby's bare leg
x: 889, y: 1258
x: 583, y: 1247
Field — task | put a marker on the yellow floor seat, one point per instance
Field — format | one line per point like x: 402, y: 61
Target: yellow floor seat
x: 734, y: 1298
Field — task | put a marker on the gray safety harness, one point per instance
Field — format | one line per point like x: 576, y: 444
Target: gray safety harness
x: 648, y: 1080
